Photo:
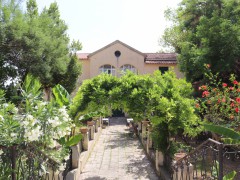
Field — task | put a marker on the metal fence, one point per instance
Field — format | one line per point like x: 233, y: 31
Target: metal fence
x: 210, y: 160
x: 26, y: 162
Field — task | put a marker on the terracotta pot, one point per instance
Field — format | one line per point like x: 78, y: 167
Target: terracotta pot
x: 178, y: 156
x: 83, y: 130
x: 145, y: 122
x: 90, y: 123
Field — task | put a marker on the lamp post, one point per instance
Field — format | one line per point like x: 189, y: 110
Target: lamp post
x: 117, y: 54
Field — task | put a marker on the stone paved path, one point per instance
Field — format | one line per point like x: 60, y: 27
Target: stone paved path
x: 117, y: 156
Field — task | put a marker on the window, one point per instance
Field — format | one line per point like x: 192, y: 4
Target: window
x: 129, y: 67
x: 163, y: 69
x: 109, y: 69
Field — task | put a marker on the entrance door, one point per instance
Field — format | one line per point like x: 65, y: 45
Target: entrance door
x: 117, y: 113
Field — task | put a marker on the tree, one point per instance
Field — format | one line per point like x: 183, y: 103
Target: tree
x: 207, y: 32
x: 72, y: 74
x: 36, y: 43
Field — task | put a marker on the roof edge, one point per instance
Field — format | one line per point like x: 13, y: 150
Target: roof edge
x: 114, y: 42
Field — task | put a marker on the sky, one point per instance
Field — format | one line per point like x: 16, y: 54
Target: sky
x: 97, y: 23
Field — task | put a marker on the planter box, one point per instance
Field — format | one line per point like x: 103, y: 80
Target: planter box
x: 83, y: 130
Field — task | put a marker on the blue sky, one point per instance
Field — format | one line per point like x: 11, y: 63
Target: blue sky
x: 96, y: 23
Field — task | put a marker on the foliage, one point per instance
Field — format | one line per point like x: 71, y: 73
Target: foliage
x: 174, y: 111
x: 61, y: 95
x: 230, y: 136
x: 220, y: 101
x: 230, y: 176
x: 163, y: 99
x: 93, y: 95
x: 205, y: 31
x: 35, y: 43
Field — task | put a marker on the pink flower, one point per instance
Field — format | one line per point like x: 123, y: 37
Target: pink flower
x: 224, y: 84
x: 231, y: 88
x: 232, y: 104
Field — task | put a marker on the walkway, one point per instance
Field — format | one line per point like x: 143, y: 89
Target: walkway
x: 117, y: 156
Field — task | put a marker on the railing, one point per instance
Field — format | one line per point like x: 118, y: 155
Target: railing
x: 26, y: 162
x: 210, y: 160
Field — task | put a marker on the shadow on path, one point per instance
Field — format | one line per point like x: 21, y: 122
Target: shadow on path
x: 118, y: 156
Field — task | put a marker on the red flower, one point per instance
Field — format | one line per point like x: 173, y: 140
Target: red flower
x: 197, y: 105
x: 205, y: 93
x: 231, y: 88
x: 238, y: 90
x: 204, y: 87
x: 224, y: 84
x: 235, y: 82
x: 219, y: 100
x: 237, y: 110
x: 238, y: 99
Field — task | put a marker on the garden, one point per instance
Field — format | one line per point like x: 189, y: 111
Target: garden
x: 38, y: 134
x: 41, y: 124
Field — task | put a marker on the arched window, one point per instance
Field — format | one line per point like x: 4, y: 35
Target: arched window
x: 129, y: 67
x: 109, y: 69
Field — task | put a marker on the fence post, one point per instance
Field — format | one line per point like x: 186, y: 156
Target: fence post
x: 13, y: 159
x: 220, y: 158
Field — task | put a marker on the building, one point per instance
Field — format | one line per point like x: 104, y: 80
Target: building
x: 118, y: 56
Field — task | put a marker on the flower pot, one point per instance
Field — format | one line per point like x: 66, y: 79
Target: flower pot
x: 145, y: 122
x: 83, y: 130
x: 178, y: 156
x: 90, y: 123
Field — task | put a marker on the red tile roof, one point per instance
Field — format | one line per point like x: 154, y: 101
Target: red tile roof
x: 82, y: 56
x: 161, y: 62
x: 160, y: 58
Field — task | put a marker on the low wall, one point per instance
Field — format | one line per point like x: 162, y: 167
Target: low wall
x: 81, y: 152
x: 156, y: 157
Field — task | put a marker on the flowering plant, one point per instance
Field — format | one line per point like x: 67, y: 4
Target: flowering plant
x: 220, y: 101
x: 35, y: 122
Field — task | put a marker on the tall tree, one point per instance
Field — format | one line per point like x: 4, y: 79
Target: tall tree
x: 35, y: 43
x: 206, y: 31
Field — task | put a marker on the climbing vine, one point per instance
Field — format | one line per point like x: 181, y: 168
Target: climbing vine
x: 163, y: 99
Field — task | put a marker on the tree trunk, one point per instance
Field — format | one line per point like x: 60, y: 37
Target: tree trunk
x: 47, y: 93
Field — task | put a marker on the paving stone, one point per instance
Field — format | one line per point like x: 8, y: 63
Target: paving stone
x: 117, y: 156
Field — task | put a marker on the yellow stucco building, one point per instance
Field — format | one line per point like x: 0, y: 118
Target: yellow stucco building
x: 118, y: 56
